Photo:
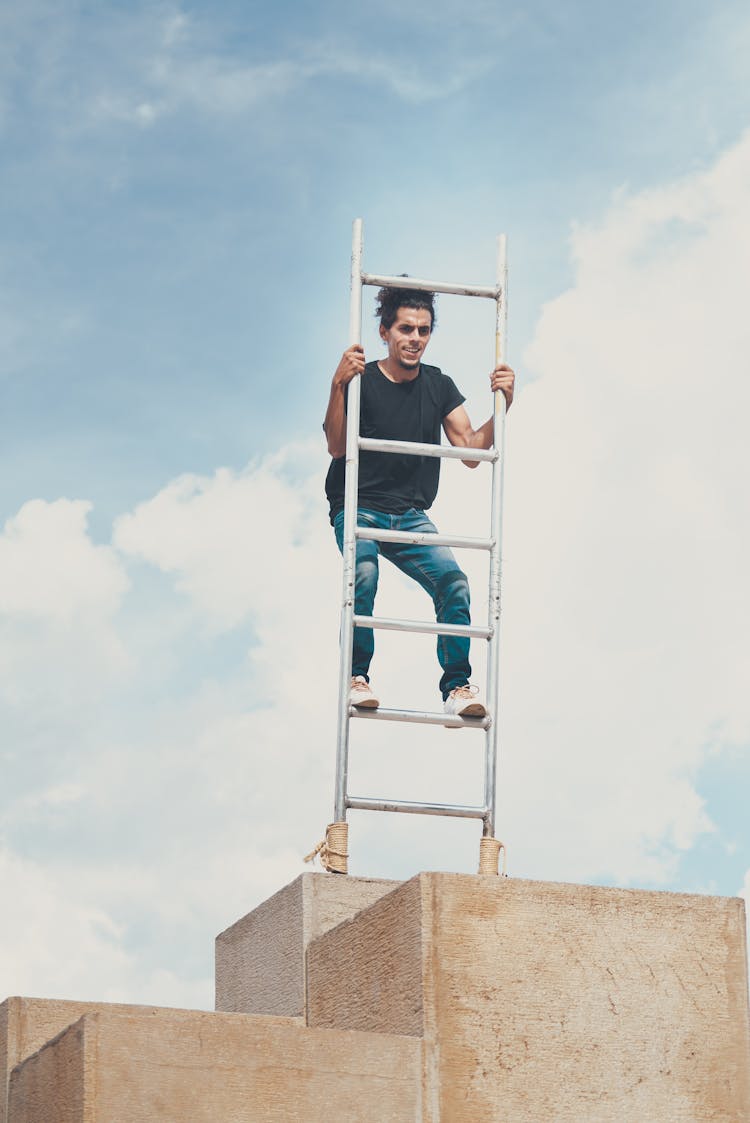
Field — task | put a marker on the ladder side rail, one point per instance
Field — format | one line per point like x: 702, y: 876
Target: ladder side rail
x: 428, y: 286
x: 496, y: 526
x: 350, y: 522
x: 411, y: 448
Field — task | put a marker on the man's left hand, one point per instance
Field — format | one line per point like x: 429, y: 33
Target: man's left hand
x: 503, y: 378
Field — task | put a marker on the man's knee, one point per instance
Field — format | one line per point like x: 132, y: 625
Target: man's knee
x: 366, y: 572
x: 452, y: 589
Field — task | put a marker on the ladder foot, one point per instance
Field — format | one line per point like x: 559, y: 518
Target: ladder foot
x: 335, y: 853
x: 333, y: 850
x: 489, y: 856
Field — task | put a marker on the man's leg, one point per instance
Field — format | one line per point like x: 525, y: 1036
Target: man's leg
x: 436, y: 570
x: 365, y: 588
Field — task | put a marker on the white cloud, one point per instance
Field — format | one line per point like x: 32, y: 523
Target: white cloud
x: 47, y: 938
x: 415, y: 85
x: 49, y: 568
x: 55, y: 943
x: 179, y: 65
x: 219, y: 786
x: 59, y: 795
x: 628, y: 533
x: 59, y: 596
x: 217, y: 85
x: 240, y: 546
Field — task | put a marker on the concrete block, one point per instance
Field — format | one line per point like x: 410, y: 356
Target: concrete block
x: 56, y: 1090
x: 260, y: 960
x: 541, y: 1001
x: 26, y: 1024
x: 173, y: 1066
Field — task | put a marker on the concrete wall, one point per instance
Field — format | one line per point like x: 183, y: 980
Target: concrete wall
x: 541, y: 1001
x: 200, y: 1067
x: 260, y: 960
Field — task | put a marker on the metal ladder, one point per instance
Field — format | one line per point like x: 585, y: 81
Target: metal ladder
x: 335, y: 853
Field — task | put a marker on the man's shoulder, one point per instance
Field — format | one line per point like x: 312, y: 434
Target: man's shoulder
x: 442, y: 390
x: 439, y: 382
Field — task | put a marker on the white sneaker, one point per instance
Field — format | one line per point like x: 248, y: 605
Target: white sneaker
x: 464, y: 701
x: 360, y: 694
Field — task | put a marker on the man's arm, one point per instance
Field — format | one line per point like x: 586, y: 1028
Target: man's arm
x: 457, y: 426
x: 352, y: 363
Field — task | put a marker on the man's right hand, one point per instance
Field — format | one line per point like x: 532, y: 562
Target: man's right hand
x: 352, y: 363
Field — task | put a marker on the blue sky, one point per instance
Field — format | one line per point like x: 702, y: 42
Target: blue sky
x: 178, y: 186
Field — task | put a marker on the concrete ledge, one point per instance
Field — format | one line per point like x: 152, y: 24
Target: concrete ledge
x: 541, y: 1001
x: 26, y: 1024
x: 260, y: 960
x: 205, y: 1067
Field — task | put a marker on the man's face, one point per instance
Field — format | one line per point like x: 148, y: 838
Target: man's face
x: 408, y: 336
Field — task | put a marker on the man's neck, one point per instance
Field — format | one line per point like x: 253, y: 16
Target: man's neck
x: 395, y: 372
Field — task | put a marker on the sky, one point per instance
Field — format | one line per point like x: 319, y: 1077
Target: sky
x: 177, y: 192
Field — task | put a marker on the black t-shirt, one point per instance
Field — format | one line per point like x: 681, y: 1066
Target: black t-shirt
x: 397, y: 411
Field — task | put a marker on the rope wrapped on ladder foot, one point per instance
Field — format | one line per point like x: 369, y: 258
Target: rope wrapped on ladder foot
x: 489, y: 856
x: 333, y: 851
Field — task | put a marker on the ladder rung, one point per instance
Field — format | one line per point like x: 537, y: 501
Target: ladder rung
x: 454, y: 810
x: 412, y: 448
x: 429, y: 286
x: 421, y: 717
x: 418, y: 538
x: 430, y: 629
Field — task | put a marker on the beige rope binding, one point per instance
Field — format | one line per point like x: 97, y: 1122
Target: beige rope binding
x: 489, y: 856
x: 333, y: 851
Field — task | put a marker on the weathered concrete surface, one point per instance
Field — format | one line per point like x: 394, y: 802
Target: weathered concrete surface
x: 260, y: 960
x: 541, y: 1001
x: 26, y: 1024
x: 215, y: 1068
x: 56, y: 1090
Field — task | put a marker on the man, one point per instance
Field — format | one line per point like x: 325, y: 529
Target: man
x: 404, y: 399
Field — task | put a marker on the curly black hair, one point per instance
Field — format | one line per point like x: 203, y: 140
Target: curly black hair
x: 390, y: 300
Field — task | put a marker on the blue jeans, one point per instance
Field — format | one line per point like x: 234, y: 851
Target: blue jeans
x: 434, y: 567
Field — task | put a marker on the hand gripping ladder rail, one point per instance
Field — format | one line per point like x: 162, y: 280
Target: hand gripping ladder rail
x: 334, y: 851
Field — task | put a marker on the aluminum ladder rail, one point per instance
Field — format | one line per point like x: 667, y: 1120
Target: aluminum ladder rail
x: 493, y: 544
